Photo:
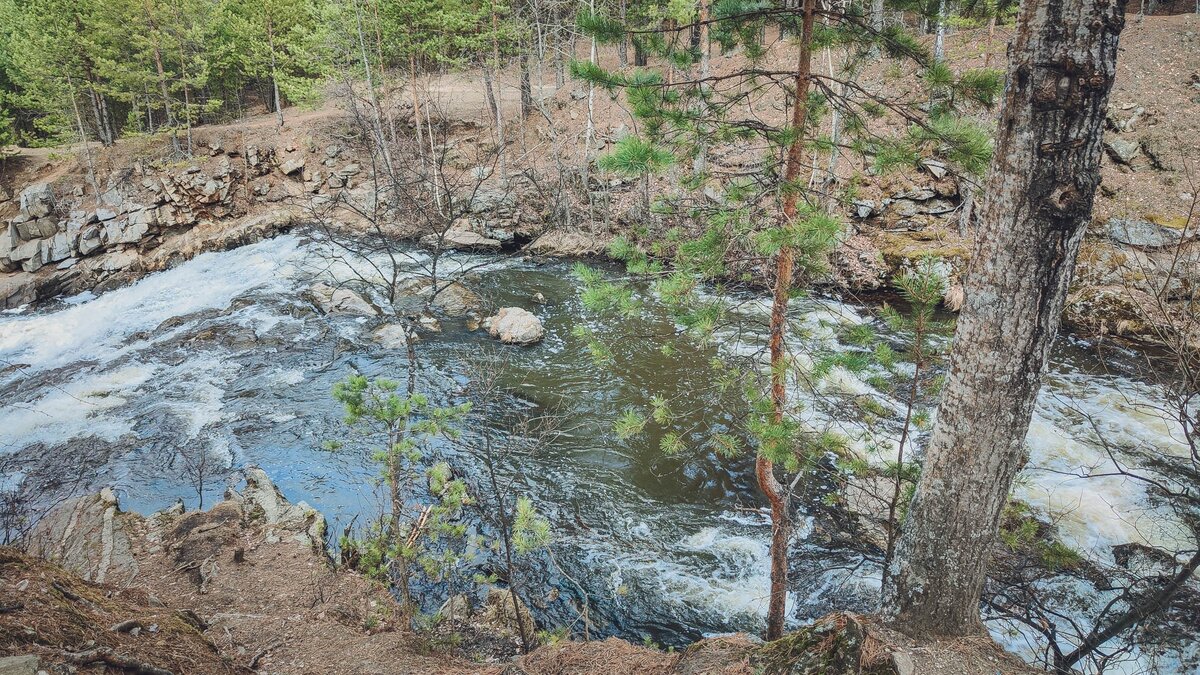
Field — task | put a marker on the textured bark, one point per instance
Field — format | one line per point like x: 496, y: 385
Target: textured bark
x: 1039, y: 194
x: 785, y: 262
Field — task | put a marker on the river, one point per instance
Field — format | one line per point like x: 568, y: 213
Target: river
x: 223, y: 354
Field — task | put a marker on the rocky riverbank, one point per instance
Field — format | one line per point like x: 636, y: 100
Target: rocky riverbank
x: 248, y: 587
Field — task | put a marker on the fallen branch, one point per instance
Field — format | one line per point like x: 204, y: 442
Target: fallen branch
x: 126, y: 626
x: 253, y: 664
x: 111, y: 659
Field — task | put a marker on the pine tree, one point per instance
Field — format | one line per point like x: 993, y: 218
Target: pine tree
x: 768, y: 217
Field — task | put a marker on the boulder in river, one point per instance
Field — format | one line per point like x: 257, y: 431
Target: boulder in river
x: 569, y: 243
x: 462, y: 237
x: 340, y: 301
x: 515, y: 326
x: 452, y: 298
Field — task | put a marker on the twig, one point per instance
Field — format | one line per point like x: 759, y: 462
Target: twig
x: 253, y: 664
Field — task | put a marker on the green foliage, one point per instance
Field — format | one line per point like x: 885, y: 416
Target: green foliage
x: 397, y: 425
x: 633, y: 156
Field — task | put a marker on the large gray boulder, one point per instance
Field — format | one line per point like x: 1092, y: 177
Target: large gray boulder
x: 460, y: 236
x: 569, y: 243
x: 37, y: 200
x: 515, y: 326
x: 451, y: 298
x: 342, y: 301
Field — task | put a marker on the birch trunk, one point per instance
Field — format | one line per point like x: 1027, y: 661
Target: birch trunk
x: 1039, y: 196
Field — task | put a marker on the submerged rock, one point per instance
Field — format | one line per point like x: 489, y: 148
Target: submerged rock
x: 515, y: 326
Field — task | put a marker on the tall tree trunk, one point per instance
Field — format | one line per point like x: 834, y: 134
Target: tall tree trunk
x: 1039, y: 202
x: 700, y: 163
x: 162, y: 72
x: 275, y: 72
x: 785, y: 262
x: 416, y: 102
x: 526, y: 86
x: 623, y: 45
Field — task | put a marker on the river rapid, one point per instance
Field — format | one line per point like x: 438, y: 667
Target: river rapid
x: 224, y: 355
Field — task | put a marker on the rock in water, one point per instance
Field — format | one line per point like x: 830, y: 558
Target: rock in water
x: 515, y: 326
x: 452, y: 298
x: 340, y: 301
x: 459, y: 237
x: 568, y: 243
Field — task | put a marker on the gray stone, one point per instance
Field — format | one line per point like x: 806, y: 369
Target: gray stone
x: 112, y: 198
x: 262, y: 500
x: 937, y: 169
x: 103, y: 214
x: 26, y: 251
x: 569, y: 243
x: 1122, y: 151
x: 19, y: 665
x: 349, y: 170
x: 340, y: 301
x: 291, y: 166
x: 59, y: 247
x: 87, y: 536
x: 36, y: 229
x: 1141, y: 233
x: 37, y: 200
x: 82, y: 217
x: 864, y: 208
x: 333, y: 151
x: 459, y: 237
x: 452, y: 298
x: 515, y: 326
x: 66, y: 264
x: 391, y: 336
x: 34, y: 262
x: 905, y: 208
x: 89, y: 240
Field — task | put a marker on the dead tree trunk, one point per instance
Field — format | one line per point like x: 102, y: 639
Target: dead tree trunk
x: 1039, y: 202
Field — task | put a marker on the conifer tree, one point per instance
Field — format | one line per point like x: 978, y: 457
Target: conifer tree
x: 765, y: 218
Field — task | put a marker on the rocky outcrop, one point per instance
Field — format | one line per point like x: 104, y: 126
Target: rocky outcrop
x: 515, y: 326
x: 89, y: 536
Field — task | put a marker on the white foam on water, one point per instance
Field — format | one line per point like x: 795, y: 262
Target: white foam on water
x: 96, y: 329
x: 74, y: 409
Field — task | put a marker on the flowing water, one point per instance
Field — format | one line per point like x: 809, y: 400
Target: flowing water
x: 223, y: 355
